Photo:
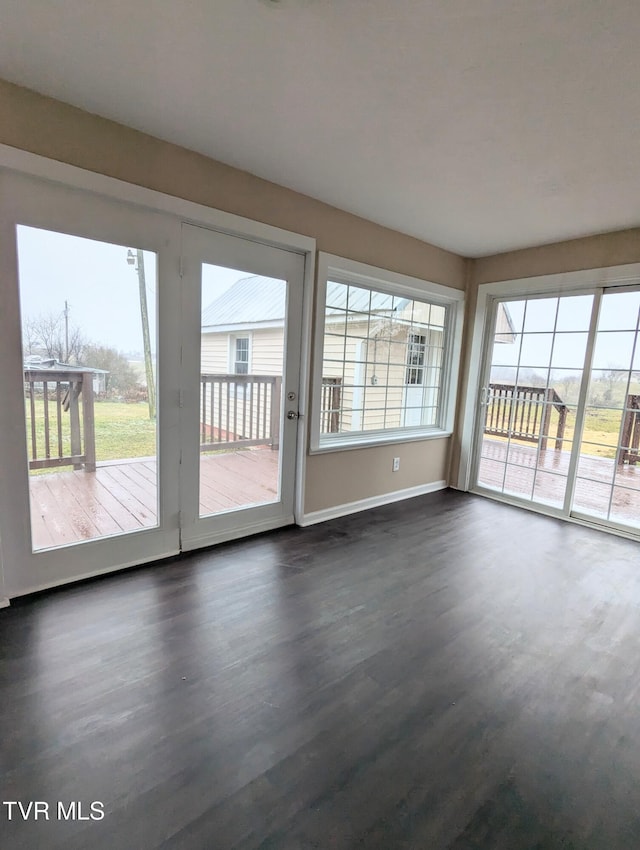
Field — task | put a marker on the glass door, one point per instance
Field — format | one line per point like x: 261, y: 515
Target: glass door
x: 88, y: 312
x: 559, y: 422
x: 87, y: 465
x: 530, y: 397
x: 607, y: 485
x: 242, y: 316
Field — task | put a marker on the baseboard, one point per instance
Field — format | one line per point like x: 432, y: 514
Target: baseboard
x: 371, y: 502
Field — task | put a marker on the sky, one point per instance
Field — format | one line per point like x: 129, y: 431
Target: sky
x: 102, y: 291
x: 538, y: 347
x: 101, y: 288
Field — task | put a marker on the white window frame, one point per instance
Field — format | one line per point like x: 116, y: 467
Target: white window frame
x: 233, y: 338
x: 347, y: 271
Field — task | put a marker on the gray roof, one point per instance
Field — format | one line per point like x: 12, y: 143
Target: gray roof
x: 56, y: 366
x: 252, y: 299
x: 262, y: 299
x: 340, y: 297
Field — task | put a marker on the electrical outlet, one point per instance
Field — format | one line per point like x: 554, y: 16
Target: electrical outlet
x: 396, y: 464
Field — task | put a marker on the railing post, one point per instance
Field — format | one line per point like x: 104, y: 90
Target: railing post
x: 32, y: 410
x: 88, y: 422
x: 75, y: 386
x: 562, y: 422
x: 630, y: 432
x: 634, y: 454
x: 276, y: 394
x: 546, y: 420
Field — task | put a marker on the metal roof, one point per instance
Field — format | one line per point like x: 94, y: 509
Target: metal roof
x: 56, y: 366
x: 262, y: 299
x: 341, y: 296
x: 252, y: 299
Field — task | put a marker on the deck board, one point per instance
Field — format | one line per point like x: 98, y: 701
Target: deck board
x: 523, y: 471
x: 71, y: 506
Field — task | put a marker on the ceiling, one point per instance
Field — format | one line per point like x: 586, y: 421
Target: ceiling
x: 478, y: 125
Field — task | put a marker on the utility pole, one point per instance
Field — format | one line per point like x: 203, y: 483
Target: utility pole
x: 138, y: 259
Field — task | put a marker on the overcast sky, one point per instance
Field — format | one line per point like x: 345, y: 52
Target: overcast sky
x: 101, y: 287
x: 536, y: 346
x: 102, y: 291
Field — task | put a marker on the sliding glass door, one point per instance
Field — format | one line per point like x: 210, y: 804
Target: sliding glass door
x: 559, y: 422
x: 608, y: 470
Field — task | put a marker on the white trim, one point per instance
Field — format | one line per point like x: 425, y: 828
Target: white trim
x: 208, y: 538
x: 394, y: 283
x: 370, y: 502
x: 578, y: 282
x: 141, y: 561
x: 304, y: 397
x: 367, y: 439
x: 4, y: 602
x: 191, y: 212
x: 386, y: 280
x: 241, y: 328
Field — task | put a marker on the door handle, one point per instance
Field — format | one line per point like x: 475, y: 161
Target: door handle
x: 484, y: 396
x: 293, y: 414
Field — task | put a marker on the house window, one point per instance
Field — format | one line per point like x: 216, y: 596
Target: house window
x: 390, y: 344
x: 415, y: 358
x: 240, y: 353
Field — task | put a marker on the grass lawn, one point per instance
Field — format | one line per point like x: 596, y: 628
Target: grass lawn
x: 122, y: 431
x: 125, y: 431
x: 600, y: 435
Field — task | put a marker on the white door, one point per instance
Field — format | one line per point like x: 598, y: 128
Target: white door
x: 413, y: 400
x: 241, y: 332
x: 124, y: 437
x: 89, y: 415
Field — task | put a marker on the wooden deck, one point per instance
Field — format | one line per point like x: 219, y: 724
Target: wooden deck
x: 593, y: 486
x: 68, y: 507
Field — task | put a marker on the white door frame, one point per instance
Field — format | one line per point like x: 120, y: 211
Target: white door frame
x: 203, y: 245
x: 15, y: 580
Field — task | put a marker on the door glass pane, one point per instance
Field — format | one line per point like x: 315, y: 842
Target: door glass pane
x: 242, y: 349
x: 535, y: 375
x: 88, y: 313
x: 608, y: 482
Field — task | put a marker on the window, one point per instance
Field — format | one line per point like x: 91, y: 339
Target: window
x: 240, y: 365
x: 415, y: 358
x: 386, y: 351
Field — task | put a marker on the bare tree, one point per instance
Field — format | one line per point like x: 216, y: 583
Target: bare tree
x: 46, y: 335
x: 30, y: 338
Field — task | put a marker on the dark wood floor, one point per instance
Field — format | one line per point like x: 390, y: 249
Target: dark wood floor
x: 447, y: 672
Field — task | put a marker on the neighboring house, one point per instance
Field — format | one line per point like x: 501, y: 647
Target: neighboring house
x: 381, y: 361
x: 374, y: 369
x: 35, y: 363
x: 242, y: 330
